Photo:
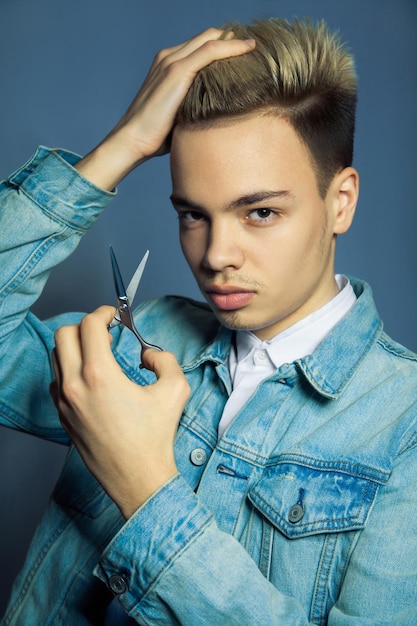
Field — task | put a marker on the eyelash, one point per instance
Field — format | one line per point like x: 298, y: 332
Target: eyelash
x: 265, y: 218
x: 188, y: 218
x: 183, y: 216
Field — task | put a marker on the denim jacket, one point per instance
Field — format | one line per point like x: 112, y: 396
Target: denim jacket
x: 304, y: 512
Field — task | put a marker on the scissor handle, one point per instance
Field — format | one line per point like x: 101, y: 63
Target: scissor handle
x: 127, y: 320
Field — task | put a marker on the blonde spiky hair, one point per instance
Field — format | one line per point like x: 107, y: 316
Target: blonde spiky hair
x: 298, y: 71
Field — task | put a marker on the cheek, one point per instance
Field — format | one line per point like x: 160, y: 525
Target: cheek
x: 312, y: 238
x: 191, y: 249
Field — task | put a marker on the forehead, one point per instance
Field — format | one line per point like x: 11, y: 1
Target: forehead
x: 241, y: 156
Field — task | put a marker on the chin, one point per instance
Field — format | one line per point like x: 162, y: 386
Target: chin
x: 234, y: 320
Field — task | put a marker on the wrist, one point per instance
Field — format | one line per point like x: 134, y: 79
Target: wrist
x: 112, y: 160
x: 129, y: 500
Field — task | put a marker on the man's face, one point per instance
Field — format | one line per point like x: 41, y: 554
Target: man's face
x: 257, y: 235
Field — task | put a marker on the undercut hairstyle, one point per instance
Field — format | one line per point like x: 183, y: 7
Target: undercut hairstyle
x: 300, y: 72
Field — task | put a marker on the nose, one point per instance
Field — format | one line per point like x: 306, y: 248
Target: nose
x: 224, y: 249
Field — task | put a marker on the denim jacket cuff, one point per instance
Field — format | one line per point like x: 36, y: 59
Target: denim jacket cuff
x: 151, y: 540
x: 49, y: 179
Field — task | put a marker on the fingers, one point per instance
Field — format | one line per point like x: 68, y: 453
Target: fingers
x: 94, y: 335
x: 84, y: 364
x: 78, y: 350
x: 67, y: 351
x: 217, y: 50
x: 189, y: 45
x: 194, y: 43
x: 75, y: 343
x: 56, y: 366
x: 168, y: 372
x: 207, y: 47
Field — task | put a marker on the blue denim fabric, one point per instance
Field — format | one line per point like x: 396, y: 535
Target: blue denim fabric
x: 305, y: 511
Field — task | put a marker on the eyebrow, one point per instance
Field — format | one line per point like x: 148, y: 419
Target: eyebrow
x: 246, y: 200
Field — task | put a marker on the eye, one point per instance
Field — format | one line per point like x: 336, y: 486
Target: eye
x: 190, y: 220
x: 261, y: 215
x: 190, y: 216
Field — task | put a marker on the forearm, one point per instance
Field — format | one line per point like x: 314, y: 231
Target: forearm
x: 174, y: 561
x: 110, y: 161
x: 46, y: 207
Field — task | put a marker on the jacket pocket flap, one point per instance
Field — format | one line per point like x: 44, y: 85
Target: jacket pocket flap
x: 301, y: 500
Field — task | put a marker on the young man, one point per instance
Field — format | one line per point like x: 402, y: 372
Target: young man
x: 262, y: 469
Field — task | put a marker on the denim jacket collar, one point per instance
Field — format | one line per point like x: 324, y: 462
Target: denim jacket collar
x: 332, y: 365
x: 330, y: 368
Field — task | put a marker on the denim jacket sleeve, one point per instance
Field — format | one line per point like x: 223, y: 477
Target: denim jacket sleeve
x: 45, y: 208
x: 184, y: 566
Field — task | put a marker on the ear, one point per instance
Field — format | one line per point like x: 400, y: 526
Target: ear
x: 343, y: 194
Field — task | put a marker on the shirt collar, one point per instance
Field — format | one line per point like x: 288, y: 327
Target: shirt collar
x: 331, y: 365
x: 302, y: 338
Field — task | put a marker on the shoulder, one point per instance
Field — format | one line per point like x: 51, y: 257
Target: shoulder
x: 392, y: 370
x: 394, y: 364
x: 365, y: 327
x: 396, y: 352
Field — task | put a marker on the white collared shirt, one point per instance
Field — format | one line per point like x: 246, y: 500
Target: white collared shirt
x: 253, y: 360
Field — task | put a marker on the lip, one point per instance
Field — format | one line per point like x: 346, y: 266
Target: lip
x: 229, y: 298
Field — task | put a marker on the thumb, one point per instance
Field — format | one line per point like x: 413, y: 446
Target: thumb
x: 164, y: 364
x: 167, y: 370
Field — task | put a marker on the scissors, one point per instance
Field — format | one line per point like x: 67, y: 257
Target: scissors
x: 125, y: 297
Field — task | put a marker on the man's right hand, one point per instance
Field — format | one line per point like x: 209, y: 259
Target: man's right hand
x: 144, y: 130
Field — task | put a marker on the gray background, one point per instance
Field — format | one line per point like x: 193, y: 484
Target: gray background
x: 69, y: 68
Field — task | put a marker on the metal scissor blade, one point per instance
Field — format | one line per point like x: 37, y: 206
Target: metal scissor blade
x: 134, y: 283
x: 130, y: 292
x: 118, y: 281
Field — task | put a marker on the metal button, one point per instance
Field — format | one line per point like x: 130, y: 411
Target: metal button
x: 198, y: 456
x: 117, y: 584
x: 295, y: 513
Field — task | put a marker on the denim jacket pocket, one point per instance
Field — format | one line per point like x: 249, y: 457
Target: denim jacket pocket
x: 78, y: 490
x: 302, y: 500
